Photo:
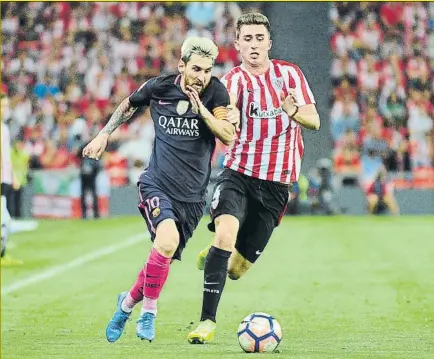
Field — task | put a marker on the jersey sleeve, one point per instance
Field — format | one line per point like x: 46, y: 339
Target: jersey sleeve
x: 143, y: 95
x: 231, y: 81
x: 298, y: 81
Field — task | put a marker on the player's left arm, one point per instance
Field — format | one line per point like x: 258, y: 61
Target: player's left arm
x: 305, y: 115
x: 299, y: 104
x: 217, y: 121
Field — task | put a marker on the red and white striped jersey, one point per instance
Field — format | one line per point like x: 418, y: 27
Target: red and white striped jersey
x: 270, y: 144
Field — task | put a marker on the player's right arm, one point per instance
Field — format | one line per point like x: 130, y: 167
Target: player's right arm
x: 233, y: 115
x: 232, y: 85
x: 98, y: 145
x: 217, y: 120
x: 299, y: 103
x: 122, y: 114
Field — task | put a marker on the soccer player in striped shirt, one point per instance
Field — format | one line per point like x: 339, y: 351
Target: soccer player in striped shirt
x: 251, y: 194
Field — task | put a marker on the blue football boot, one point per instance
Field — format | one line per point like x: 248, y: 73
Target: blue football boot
x: 146, y: 326
x: 116, y: 325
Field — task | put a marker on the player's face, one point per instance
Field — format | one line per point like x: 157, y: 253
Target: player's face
x: 196, y: 72
x: 253, y: 44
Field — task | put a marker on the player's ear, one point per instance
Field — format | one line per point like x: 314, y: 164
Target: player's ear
x: 270, y: 44
x: 181, y: 67
x: 237, y: 45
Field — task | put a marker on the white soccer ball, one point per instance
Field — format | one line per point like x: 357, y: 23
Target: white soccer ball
x: 259, y: 333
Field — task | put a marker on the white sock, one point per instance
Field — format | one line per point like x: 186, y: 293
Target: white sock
x: 149, y: 306
x: 125, y: 307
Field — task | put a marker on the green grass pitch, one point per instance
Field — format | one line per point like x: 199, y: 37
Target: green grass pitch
x: 342, y: 287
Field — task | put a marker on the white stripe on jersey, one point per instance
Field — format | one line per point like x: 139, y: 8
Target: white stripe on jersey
x: 282, y: 136
x: 292, y: 150
x: 255, y: 129
x: 266, y: 150
x: 291, y: 72
x: 236, y: 86
x: 309, y: 91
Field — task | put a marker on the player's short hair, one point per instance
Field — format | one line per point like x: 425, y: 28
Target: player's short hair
x: 252, y: 18
x: 201, y: 46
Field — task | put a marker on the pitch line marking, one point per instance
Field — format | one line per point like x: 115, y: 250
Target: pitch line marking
x: 58, y: 269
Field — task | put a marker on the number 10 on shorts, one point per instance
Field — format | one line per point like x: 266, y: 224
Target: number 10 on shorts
x: 151, y: 206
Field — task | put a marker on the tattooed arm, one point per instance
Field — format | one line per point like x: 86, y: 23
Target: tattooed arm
x: 122, y: 114
x: 98, y: 145
x: 127, y: 108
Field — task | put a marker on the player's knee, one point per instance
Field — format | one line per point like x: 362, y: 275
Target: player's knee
x: 167, y: 238
x: 167, y: 245
x: 225, y: 240
x: 226, y: 232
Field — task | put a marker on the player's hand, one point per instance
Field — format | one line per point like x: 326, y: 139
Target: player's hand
x: 16, y: 185
x: 233, y: 116
x: 96, y: 147
x: 290, y: 104
x: 196, y: 104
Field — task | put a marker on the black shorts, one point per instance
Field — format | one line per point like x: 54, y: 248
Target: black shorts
x: 155, y: 206
x: 258, y: 204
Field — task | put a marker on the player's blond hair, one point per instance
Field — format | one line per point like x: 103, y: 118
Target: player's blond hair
x: 201, y: 46
x: 252, y: 18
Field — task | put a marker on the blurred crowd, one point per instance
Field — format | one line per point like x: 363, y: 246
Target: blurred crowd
x: 382, y: 73
x: 66, y: 66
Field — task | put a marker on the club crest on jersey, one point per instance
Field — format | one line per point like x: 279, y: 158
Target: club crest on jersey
x: 255, y: 111
x: 182, y: 107
x: 156, y: 212
x: 278, y: 82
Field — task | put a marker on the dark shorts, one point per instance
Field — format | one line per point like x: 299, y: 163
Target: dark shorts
x: 155, y: 206
x: 6, y: 190
x: 258, y: 204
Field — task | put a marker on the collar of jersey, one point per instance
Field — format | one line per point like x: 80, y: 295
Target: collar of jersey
x: 245, y: 70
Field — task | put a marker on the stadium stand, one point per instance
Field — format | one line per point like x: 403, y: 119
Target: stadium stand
x: 66, y: 66
x: 383, y: 88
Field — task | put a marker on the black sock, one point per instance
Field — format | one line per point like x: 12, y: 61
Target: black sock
x: 216, y: 270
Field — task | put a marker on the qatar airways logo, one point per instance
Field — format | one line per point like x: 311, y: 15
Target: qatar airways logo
x: 179, y: 126
x: 256, y: 112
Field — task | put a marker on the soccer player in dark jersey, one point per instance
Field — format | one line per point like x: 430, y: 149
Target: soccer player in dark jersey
x: 188, y: 110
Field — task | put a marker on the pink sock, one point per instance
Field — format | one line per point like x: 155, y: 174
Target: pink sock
x: 157, y: 270
x: 136, y: 291
x: 135, y: 295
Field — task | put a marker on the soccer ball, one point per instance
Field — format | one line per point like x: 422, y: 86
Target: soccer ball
x: 259, y: 333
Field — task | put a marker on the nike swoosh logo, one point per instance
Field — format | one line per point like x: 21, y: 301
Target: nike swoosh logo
x: 151, y: 276
x: 163, y: 103
x: 210, y: 283
x: 258, y: 253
